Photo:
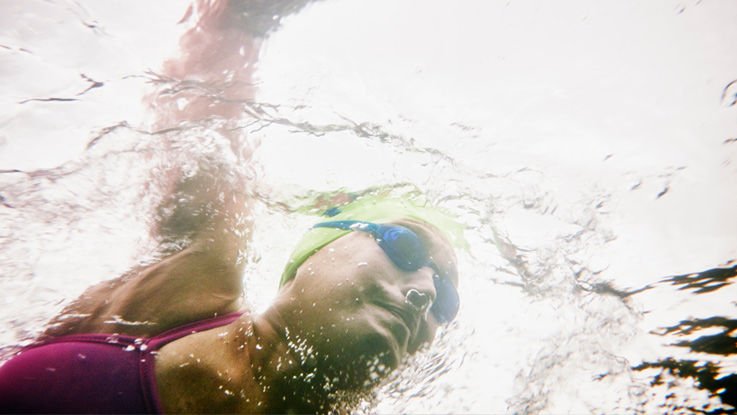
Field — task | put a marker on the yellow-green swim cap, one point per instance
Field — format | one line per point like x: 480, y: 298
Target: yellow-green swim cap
x: 370, y: 209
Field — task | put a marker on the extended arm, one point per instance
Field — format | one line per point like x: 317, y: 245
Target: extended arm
x: 204, y: 222
x: 209, y: 216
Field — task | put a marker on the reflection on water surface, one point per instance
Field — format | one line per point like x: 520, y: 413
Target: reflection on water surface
x: 589, y: 149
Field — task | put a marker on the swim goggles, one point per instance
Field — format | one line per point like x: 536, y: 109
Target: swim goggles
x: 406, y: 251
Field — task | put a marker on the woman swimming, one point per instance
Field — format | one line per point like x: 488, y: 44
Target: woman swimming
x: 355, y: 299
x: 367, y: 286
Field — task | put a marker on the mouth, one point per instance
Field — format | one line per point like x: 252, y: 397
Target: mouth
x: 408, y: 323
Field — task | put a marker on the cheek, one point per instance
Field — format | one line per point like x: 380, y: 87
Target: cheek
x: 339, y: 302
x: 327, y: 298
x: 339, y: 276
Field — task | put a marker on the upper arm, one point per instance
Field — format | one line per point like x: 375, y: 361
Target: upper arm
x: 193, y: 284
x: 188, y: 286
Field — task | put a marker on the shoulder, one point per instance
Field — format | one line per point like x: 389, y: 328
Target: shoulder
x: 204, y: 372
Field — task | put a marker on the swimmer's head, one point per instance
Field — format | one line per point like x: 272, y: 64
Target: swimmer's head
x: 376, y: 209
x: 362, y: 301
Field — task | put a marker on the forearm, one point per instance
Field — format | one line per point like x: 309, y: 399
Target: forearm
x: 212, y: 76
x: 211, y: 208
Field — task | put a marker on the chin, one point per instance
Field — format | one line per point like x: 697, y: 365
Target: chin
x: 365, y: 362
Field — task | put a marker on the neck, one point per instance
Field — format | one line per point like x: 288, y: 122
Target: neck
x: 254, y: 365
x: 284, y: 369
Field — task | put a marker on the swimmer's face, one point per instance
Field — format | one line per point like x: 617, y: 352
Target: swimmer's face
x: 349, y: 302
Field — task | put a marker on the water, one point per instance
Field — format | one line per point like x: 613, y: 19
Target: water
x: 589, y: 148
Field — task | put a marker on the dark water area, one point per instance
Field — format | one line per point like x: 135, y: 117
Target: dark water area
x: 711, y: 372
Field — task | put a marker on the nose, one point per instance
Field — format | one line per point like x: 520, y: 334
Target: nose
x: 419, y: 301
x: 419, y: 292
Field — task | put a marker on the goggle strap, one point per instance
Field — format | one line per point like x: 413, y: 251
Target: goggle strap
x: 348, y: 225
x: 353, y: 225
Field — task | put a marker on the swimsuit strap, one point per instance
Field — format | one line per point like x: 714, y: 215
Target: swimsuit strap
x: 158, y: 341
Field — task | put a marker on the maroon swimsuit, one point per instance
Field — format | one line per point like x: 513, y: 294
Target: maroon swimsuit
x: 90, y: 373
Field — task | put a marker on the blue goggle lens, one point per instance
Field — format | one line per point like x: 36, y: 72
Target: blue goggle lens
x: 407, y: 252
x: 403, y: 247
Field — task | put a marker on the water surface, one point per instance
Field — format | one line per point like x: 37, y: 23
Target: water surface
x: 590, y: 149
